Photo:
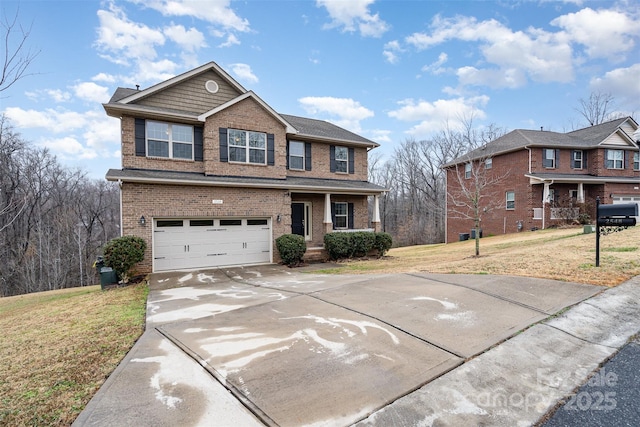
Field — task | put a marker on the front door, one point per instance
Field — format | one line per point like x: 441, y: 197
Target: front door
x: 297, y: 219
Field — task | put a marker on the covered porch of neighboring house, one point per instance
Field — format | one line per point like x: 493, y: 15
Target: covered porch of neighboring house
x: 316, y: 213
x: 563, y: 198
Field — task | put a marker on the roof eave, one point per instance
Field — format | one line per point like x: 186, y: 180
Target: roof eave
x: 118, y: 110
x: 336, y: 140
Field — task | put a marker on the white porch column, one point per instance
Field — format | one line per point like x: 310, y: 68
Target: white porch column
x: 545, y: 194
x: 376, y: 209
x: 328, y: 222
x: 580, y: 198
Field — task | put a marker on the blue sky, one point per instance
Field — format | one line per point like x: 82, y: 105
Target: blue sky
x: 388, y: 70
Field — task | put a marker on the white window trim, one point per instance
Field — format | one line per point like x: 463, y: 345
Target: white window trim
x: 553, y: 157
x: 488, y: 163
x: 247, y: 147
x: 345, y: 215
x: 610, y: 152
x: 298, y: 156
x: 574, y: 160
x: 345, y: 161
x: 507, y: 193
x: 467, y: 170
x: 308, y: 220
x: 169, y: 140
x: 636, y: 160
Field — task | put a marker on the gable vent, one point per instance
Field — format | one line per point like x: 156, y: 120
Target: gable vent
x: 211, y: 86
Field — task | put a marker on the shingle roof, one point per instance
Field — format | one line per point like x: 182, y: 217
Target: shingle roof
x: 290, y: 183
x: 323, y: 129
x: 517, y: 139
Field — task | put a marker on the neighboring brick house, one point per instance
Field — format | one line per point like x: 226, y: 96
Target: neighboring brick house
x: 212, y: 175
x: 543, y: 178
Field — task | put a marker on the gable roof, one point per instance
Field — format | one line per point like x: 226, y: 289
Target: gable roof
x: 124, y: 101
x: 314, y: 129
x: 581, y: 139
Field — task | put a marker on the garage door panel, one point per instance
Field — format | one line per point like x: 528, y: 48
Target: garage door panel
x: 202, y: 243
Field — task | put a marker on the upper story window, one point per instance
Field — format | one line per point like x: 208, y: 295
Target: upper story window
x: 614, y: 159
x: 577, y: 159
x: 467, y: 170
x: 169, y: 140
x: 636, y: 161
x: 247, y: 147
x: 550, y: 158
x: 296, y: 155
x: 342, y: 159
x: 488, y: 163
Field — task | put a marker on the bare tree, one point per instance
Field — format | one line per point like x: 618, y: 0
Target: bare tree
x: 17, y: 56
x: 597, y: 108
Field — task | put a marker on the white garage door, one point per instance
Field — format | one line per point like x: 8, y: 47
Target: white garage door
x: 628, y: 199
x: 180, y: 244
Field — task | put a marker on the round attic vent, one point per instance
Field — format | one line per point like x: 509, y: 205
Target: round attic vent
x: 211, y: 86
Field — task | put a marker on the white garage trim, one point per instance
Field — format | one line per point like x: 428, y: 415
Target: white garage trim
x: 197, y: 243
x: 621, y: 198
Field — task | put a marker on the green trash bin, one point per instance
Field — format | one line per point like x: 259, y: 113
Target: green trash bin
x: 107, y: 277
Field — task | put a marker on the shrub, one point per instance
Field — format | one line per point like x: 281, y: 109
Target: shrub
x: 122, y: 253
x: 383, y: 243
x: 338, y: 245
x: 362, y: 242
x: 292, y: 248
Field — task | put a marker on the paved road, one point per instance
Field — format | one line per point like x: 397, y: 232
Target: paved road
x: 611, y: 397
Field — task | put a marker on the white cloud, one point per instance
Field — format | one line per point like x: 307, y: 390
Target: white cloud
x: 380, y: 135
x: 436, y: 66
x: 622, y: 83
x: 121, y: 39
x: 604, y: 33
x: 391, y: 51
x: 104, y: 77
x: 68, y: 148
x: 344, y: 112
x: 232, y: 40
x: 435, y: 116
x: 243, y: 72
x: 354, y: 15
x: 533, y: 54
x: 216, y: 12
x: 92, y: 92
x: 190, y: 39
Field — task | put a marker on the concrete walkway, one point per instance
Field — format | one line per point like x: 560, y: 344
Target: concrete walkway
x: 274, y: 346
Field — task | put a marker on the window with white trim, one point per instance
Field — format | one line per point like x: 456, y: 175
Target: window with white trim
x: 341, y: 215
x: 247, y: 147
x: 511, y: 200
x: 296, y: 155
x: 636, y: 161
x: 576, y: 159
x: 467, y: 170
x: 615, y: 159
x: 549, y: 158
x: 488, y: 163
x: 169, y: 140
x: 342, y: 159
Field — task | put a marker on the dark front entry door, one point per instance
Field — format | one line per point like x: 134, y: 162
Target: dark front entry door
x: 297, y: 218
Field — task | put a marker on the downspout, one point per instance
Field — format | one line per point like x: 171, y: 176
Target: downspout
x: 446, y: 207
x: 120, y: 196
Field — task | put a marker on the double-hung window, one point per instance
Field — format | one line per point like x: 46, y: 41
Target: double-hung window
x: 296, y: 155
x: 577, y: 157
x: 247, y: 147
x: 169, y: 140
x: 549, y: 160
x: 341, y: 215
x: 615, y: 159
x: 511, y: 200
x: 488, y: 163
x: 342, y: 159
x: 636, y: 161
x: 467, y: 170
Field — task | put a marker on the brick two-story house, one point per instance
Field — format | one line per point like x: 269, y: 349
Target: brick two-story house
x: 537, y: 179
x: 212, y: 175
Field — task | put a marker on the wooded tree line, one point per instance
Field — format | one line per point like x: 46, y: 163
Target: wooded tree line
x: 53, y: 220
x: 413, y: 210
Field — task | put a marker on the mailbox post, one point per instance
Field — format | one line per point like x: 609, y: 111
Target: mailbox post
x: 621, y: 215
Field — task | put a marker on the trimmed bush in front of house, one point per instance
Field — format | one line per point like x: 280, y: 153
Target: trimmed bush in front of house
x: 292, y: 248
x: 122, y: 253
x: 357, y: 244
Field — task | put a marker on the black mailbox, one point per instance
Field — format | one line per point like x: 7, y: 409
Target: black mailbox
x: 621, y: 210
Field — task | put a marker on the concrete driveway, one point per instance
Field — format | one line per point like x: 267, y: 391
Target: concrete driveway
x: 278, y: 346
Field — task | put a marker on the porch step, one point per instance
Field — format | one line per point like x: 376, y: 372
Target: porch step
x: 317, y: 254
